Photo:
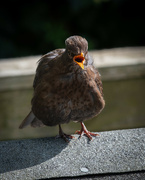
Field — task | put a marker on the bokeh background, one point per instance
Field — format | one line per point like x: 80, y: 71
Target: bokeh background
x: 38, y: 26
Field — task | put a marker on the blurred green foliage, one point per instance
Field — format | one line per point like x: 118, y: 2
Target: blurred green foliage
x: 38, y: 26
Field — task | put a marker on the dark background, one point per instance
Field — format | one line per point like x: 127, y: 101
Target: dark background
x: 38, y: 26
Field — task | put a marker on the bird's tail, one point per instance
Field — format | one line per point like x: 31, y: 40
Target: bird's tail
x: 28, y: 120
x: 31, y: 120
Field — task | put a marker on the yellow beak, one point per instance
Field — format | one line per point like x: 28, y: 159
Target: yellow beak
x: 79, y: 59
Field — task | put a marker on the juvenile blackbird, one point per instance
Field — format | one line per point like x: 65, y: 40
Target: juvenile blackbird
x: 67, y: 88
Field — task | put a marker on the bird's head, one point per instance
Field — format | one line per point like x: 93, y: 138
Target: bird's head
x: 76, y: 49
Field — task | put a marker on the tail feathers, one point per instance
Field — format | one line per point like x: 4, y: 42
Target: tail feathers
x: 29, y: 118
x: 36, y: 123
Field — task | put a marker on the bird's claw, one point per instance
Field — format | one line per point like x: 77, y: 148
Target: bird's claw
x: 84, y: 131
x: 87, y: 133
x: 64, y: 136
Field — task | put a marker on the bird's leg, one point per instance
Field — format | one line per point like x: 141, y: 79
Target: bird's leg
x: 86, y: 132
x: 64, y: 136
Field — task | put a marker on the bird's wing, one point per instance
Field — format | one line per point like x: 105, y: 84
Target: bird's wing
x: 99, y: 82
x: 44, y: 64
x: 97, y: 74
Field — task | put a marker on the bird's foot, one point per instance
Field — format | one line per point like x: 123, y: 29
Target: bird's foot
x: 64, y: 136
x: 86, y: 132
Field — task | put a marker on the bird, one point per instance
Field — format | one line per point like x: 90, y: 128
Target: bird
x: 67, y: 88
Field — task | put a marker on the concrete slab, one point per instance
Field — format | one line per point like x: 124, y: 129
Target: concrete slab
x: 111, y: 152
x: 113, y: 64
x: 116, y: 57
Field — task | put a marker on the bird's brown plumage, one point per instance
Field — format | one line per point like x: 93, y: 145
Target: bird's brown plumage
x: 63, y: 91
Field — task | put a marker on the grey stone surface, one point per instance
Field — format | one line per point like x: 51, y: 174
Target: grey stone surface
x: 113, y: 64
x: 139, y: 175
x: 111, y: 152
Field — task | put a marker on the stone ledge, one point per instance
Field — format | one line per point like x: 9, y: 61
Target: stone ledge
x: 138, y: 175
x: 116, y: 57
x: 113, y: 64
x: 117, y: 151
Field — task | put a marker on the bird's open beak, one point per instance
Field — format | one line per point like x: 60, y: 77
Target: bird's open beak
x: 79, y: 59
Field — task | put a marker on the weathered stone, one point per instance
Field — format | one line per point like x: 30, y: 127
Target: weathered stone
x: 113, y: 64
x: 111, y: 152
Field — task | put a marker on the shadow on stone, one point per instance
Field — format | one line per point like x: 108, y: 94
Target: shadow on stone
x: 119, y: 151
x: 15, y: 155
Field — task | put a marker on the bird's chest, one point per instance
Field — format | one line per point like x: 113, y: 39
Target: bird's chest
x: 71, y: 97
x: 75, y: 91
